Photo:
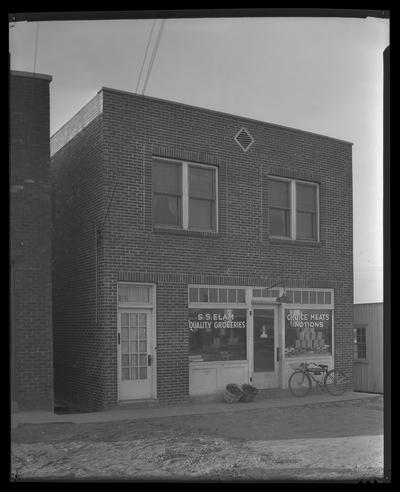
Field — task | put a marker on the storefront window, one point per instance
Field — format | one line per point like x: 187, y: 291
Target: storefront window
x: 308, y: 332
x: 217, y: 334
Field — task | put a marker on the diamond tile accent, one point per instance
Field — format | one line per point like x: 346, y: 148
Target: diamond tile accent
x: 244, y: 139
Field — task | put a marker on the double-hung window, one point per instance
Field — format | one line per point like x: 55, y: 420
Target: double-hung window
x: 184, y: 195
x: 293, y: 209
x: 167, y: 193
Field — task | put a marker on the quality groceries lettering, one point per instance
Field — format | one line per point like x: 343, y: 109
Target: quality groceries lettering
x: 208, y: 321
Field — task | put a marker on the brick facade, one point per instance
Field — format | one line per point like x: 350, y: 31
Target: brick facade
x: 30, y: 243
x: 110, y: 161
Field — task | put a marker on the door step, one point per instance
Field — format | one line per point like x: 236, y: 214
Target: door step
x: 135, y: 404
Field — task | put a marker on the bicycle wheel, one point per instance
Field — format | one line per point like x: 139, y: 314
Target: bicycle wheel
x: 299, y: 383
x: 335, y: 382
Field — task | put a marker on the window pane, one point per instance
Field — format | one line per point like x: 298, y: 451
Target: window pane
x: 203, y: 295
x: 125, y: 333
x: 320, y: 298
x: 223, y: 295
x: 201, y: 214
x: 297, y: 296
x: 279, y: 193
x: 125, y: 374
x: 193, y: 294
x: 279, y: 222
x: 306, y: 197
x: 167, y: 177
x: 222, y: 337
x: 201, y: 182
x: 142, y: 372
x: 241, y: 295
x: 213, y: 293
x: 328, y: 297
x: 231, y: 295
x: 132, y: 293
x: 166, y: 210
x: 305, y: 225
x: 304, y: 297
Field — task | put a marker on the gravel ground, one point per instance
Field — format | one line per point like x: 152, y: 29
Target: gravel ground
x: 335, y: 440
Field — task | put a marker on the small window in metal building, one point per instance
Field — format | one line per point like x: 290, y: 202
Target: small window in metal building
x: 244, y: 139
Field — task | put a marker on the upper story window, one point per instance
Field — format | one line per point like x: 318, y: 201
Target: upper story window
x: 184, y: 195
x: 293, y: 209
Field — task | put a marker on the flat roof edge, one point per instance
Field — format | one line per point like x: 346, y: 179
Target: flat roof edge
x: 31, y: 75
x: 214, y: 111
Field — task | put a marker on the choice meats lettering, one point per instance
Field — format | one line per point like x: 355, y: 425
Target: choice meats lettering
x: 215, y: 320
x: 307, y: 319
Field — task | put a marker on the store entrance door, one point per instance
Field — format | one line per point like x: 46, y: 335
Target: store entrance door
x: 265, y: 348
x: 135, y: 354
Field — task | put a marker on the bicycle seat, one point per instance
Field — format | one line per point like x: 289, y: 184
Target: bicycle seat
x: 323, y: 366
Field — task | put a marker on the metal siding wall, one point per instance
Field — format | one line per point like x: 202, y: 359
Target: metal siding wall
x: 368, y: 376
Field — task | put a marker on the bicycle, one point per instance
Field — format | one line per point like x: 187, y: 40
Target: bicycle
x: 301, y: 380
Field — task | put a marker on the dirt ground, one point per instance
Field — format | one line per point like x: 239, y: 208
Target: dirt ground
x: 306, y: 441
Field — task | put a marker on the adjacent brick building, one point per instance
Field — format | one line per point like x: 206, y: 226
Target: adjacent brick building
x: 172, y: 225
x: 30, y: 243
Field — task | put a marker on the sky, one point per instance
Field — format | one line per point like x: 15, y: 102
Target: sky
x: 323, y: 75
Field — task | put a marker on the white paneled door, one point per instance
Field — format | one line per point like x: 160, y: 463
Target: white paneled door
x: 136, y: 363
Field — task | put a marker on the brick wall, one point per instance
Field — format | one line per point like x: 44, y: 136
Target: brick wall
x: 136, y: 128
x: 80, y: 355
x: 30, y: 243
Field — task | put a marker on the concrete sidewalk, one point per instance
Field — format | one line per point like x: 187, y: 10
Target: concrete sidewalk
x: 42, y: 417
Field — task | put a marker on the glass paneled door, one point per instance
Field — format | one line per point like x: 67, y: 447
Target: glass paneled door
x: 265, y: 348
x: 135, y: 354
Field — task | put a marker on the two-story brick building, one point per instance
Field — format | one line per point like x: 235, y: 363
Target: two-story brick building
x: 172, y: 226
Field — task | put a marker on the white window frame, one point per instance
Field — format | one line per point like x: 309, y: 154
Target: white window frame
x: 185, y: 194
x: 293, y: 208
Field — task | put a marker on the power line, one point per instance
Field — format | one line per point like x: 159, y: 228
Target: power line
x: 153, y: 56
x: 145, y: 54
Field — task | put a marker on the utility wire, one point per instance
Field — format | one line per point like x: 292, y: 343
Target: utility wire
x: 153, y: 55
x: 145, y: 54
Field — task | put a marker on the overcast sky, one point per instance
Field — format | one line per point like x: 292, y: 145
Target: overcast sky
x: 315, y: 74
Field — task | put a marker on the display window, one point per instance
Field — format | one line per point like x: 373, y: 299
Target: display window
x: 308, y: 332
x: 217, y: 334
